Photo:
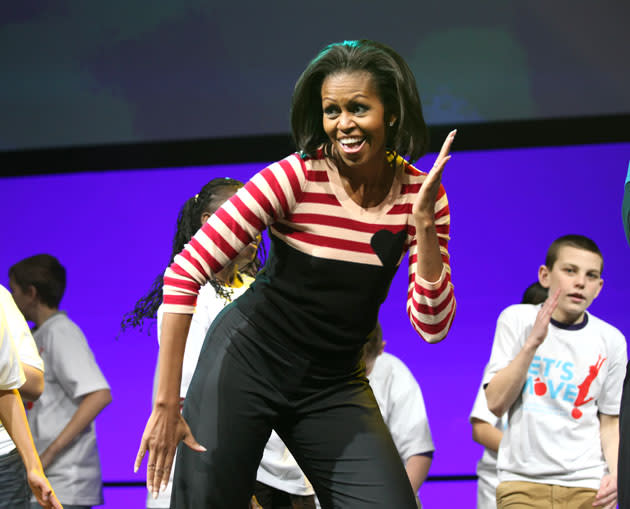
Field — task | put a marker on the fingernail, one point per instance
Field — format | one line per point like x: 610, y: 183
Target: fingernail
x: 155, y: 495
x: 135, y: 469
x: 163, y: 487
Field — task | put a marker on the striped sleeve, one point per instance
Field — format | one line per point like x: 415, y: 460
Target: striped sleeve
x: 431, y: 305
x: 270, y: 195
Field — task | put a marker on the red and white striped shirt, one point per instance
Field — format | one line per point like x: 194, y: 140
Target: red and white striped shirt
x: 331, y: 261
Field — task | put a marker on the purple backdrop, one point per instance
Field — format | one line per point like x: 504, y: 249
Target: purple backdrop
x: 112, y: 231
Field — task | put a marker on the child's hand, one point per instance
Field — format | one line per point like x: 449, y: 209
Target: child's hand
x: 541, y: 325
x: 607, y: 494
x: 41, y: 489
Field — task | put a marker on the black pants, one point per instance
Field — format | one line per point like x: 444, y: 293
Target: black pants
x: 245, y: 385
x: 272, y: 498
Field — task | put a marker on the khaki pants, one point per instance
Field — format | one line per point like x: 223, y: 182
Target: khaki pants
x: 519, y: 494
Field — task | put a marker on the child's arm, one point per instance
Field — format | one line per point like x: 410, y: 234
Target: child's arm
x: 609, y: 435
x: 486, y: 434
x: 506, y: 385
x: 417, y: 468
x: 90, y: 406
x: 13, y: 418
x: 34, y: 385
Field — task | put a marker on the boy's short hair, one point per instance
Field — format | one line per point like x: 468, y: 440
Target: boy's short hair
x: 372, y: 347
x: 576, y: 241
x: 45, y: 273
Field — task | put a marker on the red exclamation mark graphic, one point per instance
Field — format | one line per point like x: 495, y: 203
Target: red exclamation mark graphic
x: 580, y: 400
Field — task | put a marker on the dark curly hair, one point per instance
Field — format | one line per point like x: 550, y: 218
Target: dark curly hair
x: 395, y: 84
x: 209, y: 199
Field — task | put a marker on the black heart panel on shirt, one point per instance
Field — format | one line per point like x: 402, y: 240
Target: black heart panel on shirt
x: 388, y: 246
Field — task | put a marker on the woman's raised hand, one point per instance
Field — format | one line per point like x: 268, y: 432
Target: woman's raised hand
x: 164, y: 430
x: 424, y: 206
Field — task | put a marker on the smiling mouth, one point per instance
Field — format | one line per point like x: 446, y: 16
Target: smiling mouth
x: 352, y: 145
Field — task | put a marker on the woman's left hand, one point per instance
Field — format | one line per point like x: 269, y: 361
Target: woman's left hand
x: 424, y: 206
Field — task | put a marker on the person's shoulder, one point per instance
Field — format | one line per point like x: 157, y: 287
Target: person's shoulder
x: 292, y: 170
x: 515, y: 319
x: 9, y: 307
x: 317, y: 164
x: 207, y: 293
x: 409, y: 171
x: 391, y: 361
x: 5, y: 296
x: 607, y: 330
x: 61, y: 326
x: 297, y: 161
x: 13, y: 316
x: 388, y: 364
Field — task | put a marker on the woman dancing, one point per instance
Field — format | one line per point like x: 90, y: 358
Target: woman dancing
x: 287, y: 354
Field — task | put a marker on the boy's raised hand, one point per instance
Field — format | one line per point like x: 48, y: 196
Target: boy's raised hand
x: 541, y: 324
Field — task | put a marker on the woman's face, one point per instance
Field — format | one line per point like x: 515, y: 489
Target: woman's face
x: 354, y: 118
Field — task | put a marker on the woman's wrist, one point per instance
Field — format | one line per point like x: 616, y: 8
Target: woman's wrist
x: 424, y: 221
x: 167, y: 403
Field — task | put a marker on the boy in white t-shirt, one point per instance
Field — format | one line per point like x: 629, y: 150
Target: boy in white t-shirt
x: 558, y: 371
x: 15, y: 436
x: 62, y: 420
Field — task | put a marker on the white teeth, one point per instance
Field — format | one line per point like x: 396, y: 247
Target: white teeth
x: 350, y: 141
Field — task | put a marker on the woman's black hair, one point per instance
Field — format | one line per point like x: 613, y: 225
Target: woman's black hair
x: 209, y: 199
x: 396, y: 86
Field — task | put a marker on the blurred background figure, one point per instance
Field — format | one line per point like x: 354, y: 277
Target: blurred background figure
x: 62, y: 420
